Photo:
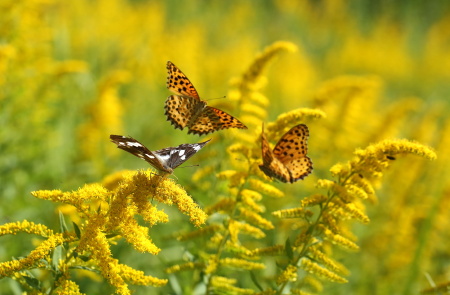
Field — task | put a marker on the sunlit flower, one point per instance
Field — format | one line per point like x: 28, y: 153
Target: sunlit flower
x: 289, y: 274
x: 322, y: 272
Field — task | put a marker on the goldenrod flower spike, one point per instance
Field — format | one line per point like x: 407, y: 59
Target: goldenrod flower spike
x: 289, y: 274
x: 255, y: 70
x: 41, y: 252
x: 316, y: 269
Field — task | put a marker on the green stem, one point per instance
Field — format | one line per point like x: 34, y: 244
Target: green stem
x: 312, y: 229
x: 227, y: 234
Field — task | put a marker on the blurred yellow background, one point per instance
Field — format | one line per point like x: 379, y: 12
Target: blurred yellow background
x: 74, y: 72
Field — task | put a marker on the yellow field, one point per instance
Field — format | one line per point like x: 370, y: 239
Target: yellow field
x: 370, y: 79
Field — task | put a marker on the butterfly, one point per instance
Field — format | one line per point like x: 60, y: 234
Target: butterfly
x: 164, y: 160
x: 288, y: 161
x: 186, y: 109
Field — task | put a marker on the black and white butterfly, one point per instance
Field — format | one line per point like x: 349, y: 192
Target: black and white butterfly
x: 164, y: 160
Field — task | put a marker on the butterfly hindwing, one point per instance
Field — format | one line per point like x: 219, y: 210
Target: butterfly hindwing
x: 186, y: 109
x: 178, y: 83
x: 272, y: 167
x: 288, y: 161
x: 299, y: 168
x: 212, y: 119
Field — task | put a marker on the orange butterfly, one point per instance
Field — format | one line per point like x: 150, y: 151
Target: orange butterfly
x: 288, y: 161
x: 186, y: 109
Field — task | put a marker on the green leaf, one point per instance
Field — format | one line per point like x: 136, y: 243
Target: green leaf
x: 77, y: 230
x: 62, y: 223
x: 32, y: 282
x: 57, y: 256
x: 288, y: 249
x: 111, y: 236
x: 84, y: 258
x: 255, y: 281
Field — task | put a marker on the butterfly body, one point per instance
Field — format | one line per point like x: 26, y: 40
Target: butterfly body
x: 185, y: 109
x: 287, y: 162
x: 164, y: 160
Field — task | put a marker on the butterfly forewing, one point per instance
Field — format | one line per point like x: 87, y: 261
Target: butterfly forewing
x: 178, y: 83
x: 164, y: 160
x: 186, y: 109
x: 288, y: 161
x: 136, y: 148
x: 178, y: 155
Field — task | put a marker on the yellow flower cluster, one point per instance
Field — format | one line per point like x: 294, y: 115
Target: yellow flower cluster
x: 316, y: 269
x: 108, y: 210
x: 226, y: 286
x: 289, y: 274
x: 42, y: 251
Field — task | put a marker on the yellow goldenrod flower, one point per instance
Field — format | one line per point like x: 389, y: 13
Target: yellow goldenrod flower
x: 202, y: 172
x: 215, y: 240
x: 41, y: 252
x: 241, y: 264
x: 70, y: 66
x: 292, y: 118
x: 239, y: 148
x: 112, y: 181
x: 224, y: 285
x: 237, y: 249
x: 248, y: 200
x: 25, y: 226
x: 265, y: 188
x: 339, y: 240
x: 225, y: 280
x: 64, y: 286
x: 137, y: 277
x: 327, y: 261
x: 255, y: 70
x: 374, y: 159
x: 255, y: 218
x: 320, y: 271
x: 313, y: 200
x: 235, y: 178
x: 251, y: 194
x: 268, y: 251
x: 363, y: 184
x: 212, y: 265
x: 293, y: 213
x: 299, y: 292
x: 236, y: 227
x: 137, y: 235
x: 78, y: 199
x: 313, y: 283
x: 67, y: 287
x: 254, y: 110
x: 289, y: 274
x: 185, y: 266
x: 222, y: 205
x: 349, y: 208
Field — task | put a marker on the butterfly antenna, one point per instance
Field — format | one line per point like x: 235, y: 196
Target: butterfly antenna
x: 190, y: 166
x: 217, y: 98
